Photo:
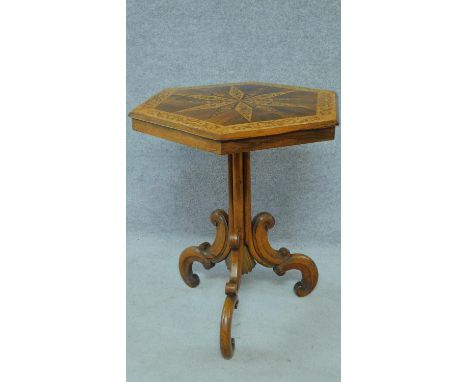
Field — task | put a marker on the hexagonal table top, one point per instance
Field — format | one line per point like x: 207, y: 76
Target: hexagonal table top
x: 237, y: 111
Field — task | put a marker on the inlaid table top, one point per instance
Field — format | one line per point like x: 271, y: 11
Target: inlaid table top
x: 238, y: 117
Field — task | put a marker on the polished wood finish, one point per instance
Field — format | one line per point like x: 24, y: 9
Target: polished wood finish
x: 243, y: 242
x: 235, y: 146
x: 234, y: 118
x: 206, y: 254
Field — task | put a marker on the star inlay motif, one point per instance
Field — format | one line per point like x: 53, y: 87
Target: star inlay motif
x: 242, y: 102
x: 238, y: 110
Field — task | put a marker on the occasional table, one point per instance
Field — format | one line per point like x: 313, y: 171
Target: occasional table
x: 232, y: 120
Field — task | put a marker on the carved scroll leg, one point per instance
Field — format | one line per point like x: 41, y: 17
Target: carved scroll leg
x: 237, y: 246
x: 308, y: 269
x: 208, y: 255
x: 231, y: 302
x: 227, y: 343
x: 186, y: 260
x: 281, y: 260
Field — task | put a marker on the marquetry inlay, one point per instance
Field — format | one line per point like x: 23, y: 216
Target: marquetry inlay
x: 241, y: 109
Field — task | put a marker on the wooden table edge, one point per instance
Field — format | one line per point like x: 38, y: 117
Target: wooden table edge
x: 235, y: 135
x: 224, y: 147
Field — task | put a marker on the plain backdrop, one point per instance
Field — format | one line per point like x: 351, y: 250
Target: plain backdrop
x: 62, y: 220
x: 172, y: 189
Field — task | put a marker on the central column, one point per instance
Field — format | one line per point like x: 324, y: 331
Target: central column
x: 240, y: 208
x: 236, y: 222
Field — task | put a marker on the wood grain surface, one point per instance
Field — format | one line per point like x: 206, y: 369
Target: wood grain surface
x: 239, y: 111
x: 242, y: 243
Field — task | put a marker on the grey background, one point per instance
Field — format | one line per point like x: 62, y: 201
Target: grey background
x: 172, y: 330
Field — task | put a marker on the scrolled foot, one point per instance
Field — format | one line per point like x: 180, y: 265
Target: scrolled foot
x: 282, y: 260
x: 186, y: 260
x: 207, y: 254
x: 308, y: 269
x: 227, y: 343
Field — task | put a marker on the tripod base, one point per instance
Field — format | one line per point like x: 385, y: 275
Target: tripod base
x: 242, y: 242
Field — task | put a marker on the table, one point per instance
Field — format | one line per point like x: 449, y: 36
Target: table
x: 234, y: 119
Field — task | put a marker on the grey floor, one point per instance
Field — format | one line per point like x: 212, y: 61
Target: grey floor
x: 173, y: 330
